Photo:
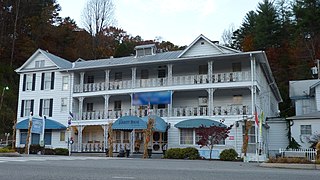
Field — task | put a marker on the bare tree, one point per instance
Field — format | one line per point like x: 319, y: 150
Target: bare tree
x: 227, y: 36
x: 97, y: 15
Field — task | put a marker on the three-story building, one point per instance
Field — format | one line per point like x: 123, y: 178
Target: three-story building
x: 204, y: 84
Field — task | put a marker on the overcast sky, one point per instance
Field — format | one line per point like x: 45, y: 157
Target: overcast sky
x: 177, y: 21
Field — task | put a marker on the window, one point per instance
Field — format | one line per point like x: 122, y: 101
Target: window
x: 89, y: 107
x: 251, y: 135
x: 29, y: 82
x: 46, y: 106
x: 237, y: 99
x: 117, y: 105
x: 47, y: 137
x: 140, y: 52
x: 161, y: 73
x: 62, y: 136
x: 118, y: 137
x: 148, y: 51
x: 64, y: 104
x: 161, y: 106
x: 65, y: 83
x: 39, y: 64
x: 144, y: 74
x: 186, y: 136
x: 26, y: 107
x: 126, y: 136
x: 203, y: 69
x: 118, y: 76
x: 47, y: 81
x: 90, y: 79
x: 35, y: 138
x: 236, y: 67
x: 305, y: 130
x: 203, y: 101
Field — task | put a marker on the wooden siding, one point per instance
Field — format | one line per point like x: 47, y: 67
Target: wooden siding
x: 277, y: 135
x: 39, y: 57
x: 199, y: 49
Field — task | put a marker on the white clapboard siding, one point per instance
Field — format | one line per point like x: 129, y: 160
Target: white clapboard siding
x: 202, y: 48
x: 277, y: 135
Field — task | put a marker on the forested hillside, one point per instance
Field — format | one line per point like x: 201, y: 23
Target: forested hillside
x: 287, y: 30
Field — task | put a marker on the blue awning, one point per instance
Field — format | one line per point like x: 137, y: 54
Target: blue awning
x: 49, y: 124
x: 196, y: 123
x: 160, y: 125
x: 129, y: 123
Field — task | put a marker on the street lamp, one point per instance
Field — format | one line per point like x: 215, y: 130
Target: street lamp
x: 6, y: 88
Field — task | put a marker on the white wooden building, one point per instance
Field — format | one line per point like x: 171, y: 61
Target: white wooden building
x: 305, y: 95
x: 206, y: 81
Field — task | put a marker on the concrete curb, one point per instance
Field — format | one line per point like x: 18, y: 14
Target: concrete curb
x: 290, y: 166
x: 15, y: 154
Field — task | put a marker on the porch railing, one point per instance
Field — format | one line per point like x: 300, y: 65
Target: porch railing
x: 310, y: 154
x: 158, y: 82
x: 176, y: 112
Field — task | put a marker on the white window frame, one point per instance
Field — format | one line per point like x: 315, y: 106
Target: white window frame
x: 27, y: 107
x: 47, y: 81
x: 64, y: 104
x: 39, y: 64
x: 62, y: 136
x: 46, y: 107
x: 29, y: 82
x: 65, y: 83
x: 305, y: 129
x: 186, y: 136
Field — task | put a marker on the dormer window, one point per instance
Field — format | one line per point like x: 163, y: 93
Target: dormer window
x: 39, y: 64
x: 145, y: 50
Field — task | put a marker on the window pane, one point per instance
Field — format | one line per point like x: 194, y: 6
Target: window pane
x: 64, y: 104
x: 47, y: 138
x: 29, y: 82
x: 27, y: 107
x: 186, y: 136
x: 65, y: 83
x: 47, y: 80
x: 46, y: 107
x: 305, y: 130
x: 23, y: 137
x: 62, y: 136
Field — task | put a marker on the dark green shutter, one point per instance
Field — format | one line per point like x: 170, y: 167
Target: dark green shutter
x: 24, y: 82
x: 33, y: 82
x: 42, y: 81
x: 22, y: 108
x: 40, y: 107
x: 52, y: 80
x: 31, y: 108
x: 51, y: 106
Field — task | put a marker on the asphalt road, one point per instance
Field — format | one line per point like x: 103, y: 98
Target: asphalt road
x: 66, y: 168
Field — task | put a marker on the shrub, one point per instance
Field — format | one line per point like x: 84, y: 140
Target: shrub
x: 48, y: 151
x: 174, y: 153
x: 185, y: 153
x: 6, y: 150
x: 191, y: 153
x: 61, y: 151
x: 34, y: 148
x: 228, y: 155
x: 289, y: 160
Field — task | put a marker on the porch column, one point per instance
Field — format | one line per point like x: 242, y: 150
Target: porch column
x: 133, y: 74
x: 170, y: 105
x: 107, y: 75
x: 106, y: 106
x: 210, y: 63
x: 169, y: 74
x: 210, y: 101
x: 80, y: 107
x: 133, y: 108
x: 105, y: 137
x: 80, y: 138
x: 81, y: 81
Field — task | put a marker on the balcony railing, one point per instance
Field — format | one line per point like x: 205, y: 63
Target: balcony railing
x: 176, y: 112
x: 158, y: 82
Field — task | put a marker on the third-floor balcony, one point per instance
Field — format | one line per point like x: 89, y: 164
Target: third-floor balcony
x: 226, y: 77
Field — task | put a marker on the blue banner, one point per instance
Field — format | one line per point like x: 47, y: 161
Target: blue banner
x: 161, y: 97
x: 37, y: 126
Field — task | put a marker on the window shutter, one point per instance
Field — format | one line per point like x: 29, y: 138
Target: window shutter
x: 42, y: 81
x: 52, y: 80
x: 31, y: 108
x: 33, y: 82
x: 51, y: 105
x: 22, y: 108
x: 24, y: 82
x: 40, y: 107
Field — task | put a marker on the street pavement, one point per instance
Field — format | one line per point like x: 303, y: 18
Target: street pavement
x: 78, y: 167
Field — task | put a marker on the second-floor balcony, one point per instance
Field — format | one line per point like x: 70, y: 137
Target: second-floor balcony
x: 159, y: 82
x: 176, y: 112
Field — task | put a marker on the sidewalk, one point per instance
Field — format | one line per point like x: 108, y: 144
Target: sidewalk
x: 290, y: 166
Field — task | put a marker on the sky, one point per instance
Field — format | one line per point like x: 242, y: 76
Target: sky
x: 177, y: 21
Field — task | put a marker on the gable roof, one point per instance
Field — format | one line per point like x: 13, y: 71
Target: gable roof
x: 218, y: 48
x: 302, y: 88
x: 59, y: 62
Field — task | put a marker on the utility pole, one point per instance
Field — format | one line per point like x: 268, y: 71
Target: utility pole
x: 28, y: 135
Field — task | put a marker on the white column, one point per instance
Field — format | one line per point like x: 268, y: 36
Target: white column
x: 80, y: 138
x: 81, y: 81
x: 133, y: 108
x: 134, y: 76
x: 170, y: 105
x: 80, y: 107
x: 106, y: 105
x: 210, y: 100
x: 210, y: 63
x: 169, y: 74
x: 105, y: 135
x: 107, y: 79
